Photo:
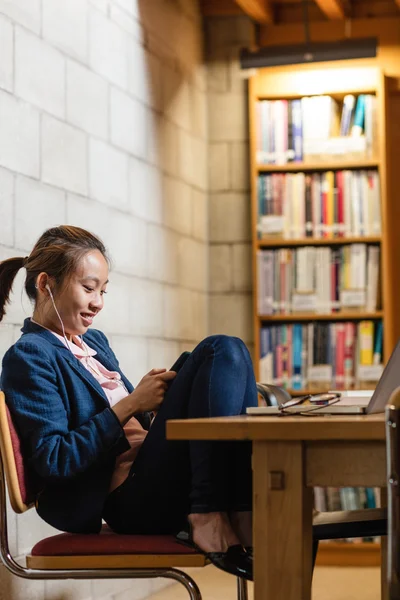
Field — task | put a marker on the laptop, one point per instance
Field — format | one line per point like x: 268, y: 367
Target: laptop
x: 349, y: 403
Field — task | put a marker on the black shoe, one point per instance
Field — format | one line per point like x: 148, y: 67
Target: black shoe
x: 235, y: 560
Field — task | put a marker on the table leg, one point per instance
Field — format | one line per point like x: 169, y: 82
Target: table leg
x: 282, y: 522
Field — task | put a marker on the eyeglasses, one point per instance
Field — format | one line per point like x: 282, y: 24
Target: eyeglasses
x: 317, y: 401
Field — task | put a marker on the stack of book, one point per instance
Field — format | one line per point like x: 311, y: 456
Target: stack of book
x: 315, y: 128
x: 322, y: 356
x: 321, y: 205
x: 318, y: 279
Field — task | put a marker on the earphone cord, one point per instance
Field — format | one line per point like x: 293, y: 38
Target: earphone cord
x: 62, y: 324
x: 83, y: 345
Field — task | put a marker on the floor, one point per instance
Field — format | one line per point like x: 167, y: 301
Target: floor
x: 329, y: 583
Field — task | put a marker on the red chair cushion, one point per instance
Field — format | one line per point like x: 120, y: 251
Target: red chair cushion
x: 108, y: 542
x: 26, y: 495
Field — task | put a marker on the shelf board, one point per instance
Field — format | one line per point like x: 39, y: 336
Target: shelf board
x: 281, y: 242
x: 338, y: 165
x: 317, y: 390
x: 338, y: 316
x: 349, y: 554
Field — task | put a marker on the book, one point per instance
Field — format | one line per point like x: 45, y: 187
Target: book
x: 359, y: 116
x: 297, y: 130
x: 347, y: 114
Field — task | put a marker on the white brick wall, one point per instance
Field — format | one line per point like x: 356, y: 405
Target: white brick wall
x: 87, y: 100
x: 25, y: 12
x: 145, y: 191
x: 108, y: 174
x: 6, y: 208
x: 108, y: 49
x: 64, y: 155
x: 162, y: 254
x: 178, y: 205
x: 39, y: 73
x: 230, y: 217
x: 48, y: 203
x: 19, y: 140
x: 65, y: 26
x: 103, y: 123
x: 128, y: 124
x: 7, y: 54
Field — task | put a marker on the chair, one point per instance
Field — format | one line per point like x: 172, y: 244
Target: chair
x: 393, y: 478
x: 94, y: 556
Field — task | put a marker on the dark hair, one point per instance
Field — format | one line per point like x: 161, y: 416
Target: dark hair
x: 57, y: 252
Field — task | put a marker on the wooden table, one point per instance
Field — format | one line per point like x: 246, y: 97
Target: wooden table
x: 291, y: 455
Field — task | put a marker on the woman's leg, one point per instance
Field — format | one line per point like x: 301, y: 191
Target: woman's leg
x: 169, y: 480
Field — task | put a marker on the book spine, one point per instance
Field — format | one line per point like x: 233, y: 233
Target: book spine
x: 279, y: 358
x: 340, y: 356
x: 359, y: 115
x: 291, y: 154
x: 329, y: 228
x: 324, y: 204
x: 340, y: 205
x: 320, y: 499
x: 308, y: 207
x: 366, y: 336
x: 347, y: 113
x: 297, y: 383
x: 349, y: 351
x: 297, y: 130
x: 378, y: 344
x: 265, y: 131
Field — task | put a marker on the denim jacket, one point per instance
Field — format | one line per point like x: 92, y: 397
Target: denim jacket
x: 70, y: 436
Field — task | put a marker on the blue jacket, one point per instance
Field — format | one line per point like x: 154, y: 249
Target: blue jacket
x: 70, y: 436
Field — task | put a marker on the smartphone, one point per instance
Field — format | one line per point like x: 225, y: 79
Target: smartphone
x: 178, y: 364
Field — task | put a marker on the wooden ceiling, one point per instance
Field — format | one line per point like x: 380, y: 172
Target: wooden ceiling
x: 292, y: 11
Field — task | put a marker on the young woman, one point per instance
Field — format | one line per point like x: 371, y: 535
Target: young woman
x: 94, y: 447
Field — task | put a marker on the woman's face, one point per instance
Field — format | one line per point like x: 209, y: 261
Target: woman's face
x: 81, y: 298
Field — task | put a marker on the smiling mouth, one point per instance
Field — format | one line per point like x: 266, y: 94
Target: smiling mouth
x: 87, y: 317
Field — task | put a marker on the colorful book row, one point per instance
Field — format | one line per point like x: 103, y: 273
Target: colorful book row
x: 346, y: 498
x: 322, y: 205
x: 338, y: 356
x: 314, y: 127
x: 318, y: 279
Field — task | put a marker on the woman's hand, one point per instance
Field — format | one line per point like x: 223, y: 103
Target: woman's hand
x: 147, y: 396
x: 149, y: 393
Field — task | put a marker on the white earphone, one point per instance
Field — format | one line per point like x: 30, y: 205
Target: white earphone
x: 58, y: 314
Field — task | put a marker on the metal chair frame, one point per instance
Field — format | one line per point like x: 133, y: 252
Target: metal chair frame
x: 393, y: 485
x: 84, y: 573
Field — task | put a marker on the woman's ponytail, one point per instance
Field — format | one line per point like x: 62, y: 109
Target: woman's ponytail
x: 8, y: 270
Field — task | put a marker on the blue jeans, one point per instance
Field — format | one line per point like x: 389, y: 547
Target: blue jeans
x: 170, y: 479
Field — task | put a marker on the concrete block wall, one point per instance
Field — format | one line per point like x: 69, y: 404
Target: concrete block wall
x: 103, y: 121
x: 229, y: 184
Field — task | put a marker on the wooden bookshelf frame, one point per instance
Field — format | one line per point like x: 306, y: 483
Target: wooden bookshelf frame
x: 331, y: 79
x: 335, y: 79
x: 319, y: 166
x: 276, y: 242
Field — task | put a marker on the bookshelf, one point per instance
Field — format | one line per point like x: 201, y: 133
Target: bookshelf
x: 336, y: 81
